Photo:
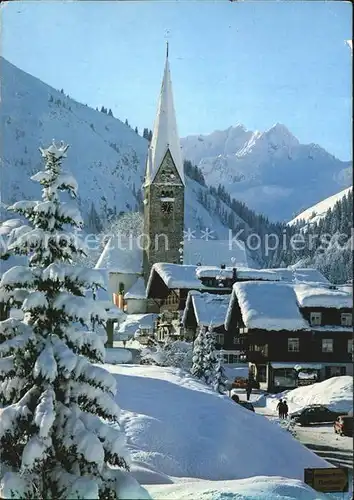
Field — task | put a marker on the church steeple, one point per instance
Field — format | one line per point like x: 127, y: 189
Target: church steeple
x: 164, y: 185
x: 165, y: 134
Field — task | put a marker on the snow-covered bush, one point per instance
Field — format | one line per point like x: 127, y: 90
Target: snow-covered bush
x: 60, y: 436
x: 176, y: 353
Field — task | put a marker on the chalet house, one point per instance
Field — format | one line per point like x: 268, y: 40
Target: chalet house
x: 169, y: 284
x: 293, y: 334
x: 206, y: 309
x: 328, y: 310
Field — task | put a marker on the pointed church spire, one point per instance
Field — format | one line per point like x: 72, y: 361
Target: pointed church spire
x: 165, y: 134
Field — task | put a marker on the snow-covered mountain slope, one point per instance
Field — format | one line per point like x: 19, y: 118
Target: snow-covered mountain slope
x: 106, y: 156
x: 270, y: 171
x: 318, y: 211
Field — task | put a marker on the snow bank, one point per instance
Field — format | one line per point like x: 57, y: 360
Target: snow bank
x: 322, y: 296
x: 336, y: 393
x: 179, y: 427
x: 267, y: 306
x: 132, y: 323
x: 254, y: 488
x: 118, y: 355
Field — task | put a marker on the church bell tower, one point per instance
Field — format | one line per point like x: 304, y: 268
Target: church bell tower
x: 164, y: 185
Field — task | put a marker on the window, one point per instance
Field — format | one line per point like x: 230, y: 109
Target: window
x: 285, y: 372
x: 315, y: 318
x: 236, y: 340
x: 327, y: 345
x: 262, y: 349
x: 335, y: 371
x: 219, y: 337
x: 230, y: 357
x: 346, y: 319
x: 293, y: 345
x: 166, y: 194
x: 121, y: 288
x: 350, y: 346
x: 262, y: 373
x: 171, y: 299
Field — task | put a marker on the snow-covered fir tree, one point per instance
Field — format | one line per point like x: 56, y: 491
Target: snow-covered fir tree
x: 199, y: 352
x: 219, y: 380
x: 210, y: 355
x: 60, y: 436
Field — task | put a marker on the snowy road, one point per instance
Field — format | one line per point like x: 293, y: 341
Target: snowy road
x: 321, y: 439
x: 328, y: 445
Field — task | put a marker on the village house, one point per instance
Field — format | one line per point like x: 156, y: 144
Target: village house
x: 292, y: 334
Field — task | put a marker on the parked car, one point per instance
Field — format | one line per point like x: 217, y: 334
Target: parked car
x: 314, y: 414
x: 247, y: 404
x: 344, y: 425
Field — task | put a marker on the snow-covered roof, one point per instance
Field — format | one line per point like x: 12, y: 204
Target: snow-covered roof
x: 322, y: 296
x: 267, y: 306
x: 121, y: 255
x: 241, y: 273
x: 258, y: 274
x: 176, y: 276
x: 209, y: 309
x: 213, y: 272
x: 216, y: 252
x: 136, y: 291
x: 165, y: 135
x: 301, y: 275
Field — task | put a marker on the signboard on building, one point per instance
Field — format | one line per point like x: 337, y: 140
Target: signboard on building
x: 331, y: 480
x: 305, y: 381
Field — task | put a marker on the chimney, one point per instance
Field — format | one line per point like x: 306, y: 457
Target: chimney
x: 234, y: 274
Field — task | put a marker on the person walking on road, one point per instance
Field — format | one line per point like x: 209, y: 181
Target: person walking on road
x: 285, y: 409
x: 249, y: 389
x: 280, y: 408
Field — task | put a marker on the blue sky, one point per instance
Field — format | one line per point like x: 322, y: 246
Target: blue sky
x: 255, y: 63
